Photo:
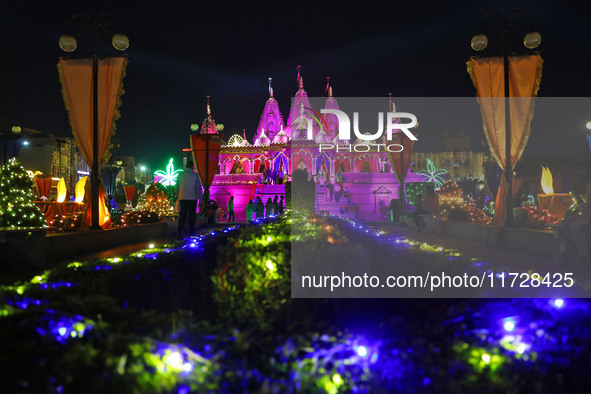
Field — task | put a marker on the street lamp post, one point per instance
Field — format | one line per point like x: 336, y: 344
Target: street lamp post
x: 507, y: 26
x: 82, y: 24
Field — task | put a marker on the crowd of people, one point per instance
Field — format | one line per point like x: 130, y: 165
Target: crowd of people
x: 271, y: 177
x: 259, y: 209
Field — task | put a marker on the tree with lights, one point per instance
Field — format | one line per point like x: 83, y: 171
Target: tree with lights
x: 157, y: 201
x: 451, y: 196
x: 16, y: 198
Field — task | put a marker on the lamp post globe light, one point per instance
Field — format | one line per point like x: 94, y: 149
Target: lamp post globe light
x: 508, y: 27
x: 84, y: 25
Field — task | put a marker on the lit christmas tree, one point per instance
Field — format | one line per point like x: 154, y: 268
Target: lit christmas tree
x: 16, y: 198
x: 157, y: 201
x: 450, y: 196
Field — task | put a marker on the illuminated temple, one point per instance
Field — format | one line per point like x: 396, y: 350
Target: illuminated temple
x: 248, y: 169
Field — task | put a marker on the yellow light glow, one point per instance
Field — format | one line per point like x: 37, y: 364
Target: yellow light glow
x: 80, y: 189
x: 61, y: 190
x: 547, y: 181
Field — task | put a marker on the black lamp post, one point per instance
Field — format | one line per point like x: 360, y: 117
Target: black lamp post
x: 508, y: 27
x: 82, y: 24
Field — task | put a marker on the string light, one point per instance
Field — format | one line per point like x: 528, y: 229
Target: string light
x: 16, y: 198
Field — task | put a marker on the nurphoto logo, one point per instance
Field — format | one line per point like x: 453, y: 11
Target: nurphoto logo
x: 393, y: 120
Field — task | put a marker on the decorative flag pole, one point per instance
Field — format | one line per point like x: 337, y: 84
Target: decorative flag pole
x: 74, y: 75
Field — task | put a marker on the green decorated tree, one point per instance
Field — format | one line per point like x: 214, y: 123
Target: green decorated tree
x: 451, y: 196
x: 157, y: 201
x: 16, y: 198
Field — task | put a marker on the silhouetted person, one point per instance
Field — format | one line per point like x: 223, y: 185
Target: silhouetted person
x: 231, y: 215
x: 189, y: 190
x: 249, y: 210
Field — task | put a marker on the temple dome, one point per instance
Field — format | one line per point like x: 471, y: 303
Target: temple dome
x: 359, y: 141
x: 262, y: 140
x: 271, y: 118
x: 281, y: 137
x: 322, y: 138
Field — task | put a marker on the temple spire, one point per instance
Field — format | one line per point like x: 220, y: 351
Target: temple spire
x: 270, y: 88
x: 244, y: 134
x: 209, y: 126
x: 390, y: 104
x: 300, y: 80
x: 328, y: 88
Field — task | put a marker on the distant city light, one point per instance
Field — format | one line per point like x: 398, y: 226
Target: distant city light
x: 25, y: 142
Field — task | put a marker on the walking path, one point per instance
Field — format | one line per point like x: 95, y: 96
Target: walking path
x: 519, y: 260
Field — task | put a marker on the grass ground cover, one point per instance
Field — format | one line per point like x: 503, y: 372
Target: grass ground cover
x: 214, y: 313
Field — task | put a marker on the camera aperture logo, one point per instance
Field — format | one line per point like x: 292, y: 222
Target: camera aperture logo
x: 395, y: 130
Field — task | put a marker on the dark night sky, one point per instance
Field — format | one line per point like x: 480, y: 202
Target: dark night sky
x: 179, y: 54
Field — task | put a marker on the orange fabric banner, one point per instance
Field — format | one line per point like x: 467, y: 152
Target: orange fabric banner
x: 43, y: 186
x: 76, y: 79
x: 401, y: 160
x: 525, y: 74
x: 129, y: 191
x: 104, y: 217
x: 206, y: 149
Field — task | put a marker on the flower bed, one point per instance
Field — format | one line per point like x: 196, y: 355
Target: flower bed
x: 214, y: 313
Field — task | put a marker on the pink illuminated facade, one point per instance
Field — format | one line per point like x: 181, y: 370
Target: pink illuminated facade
x: 262, y: 167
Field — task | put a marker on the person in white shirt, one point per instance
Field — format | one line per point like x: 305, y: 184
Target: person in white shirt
x: 188, y: 192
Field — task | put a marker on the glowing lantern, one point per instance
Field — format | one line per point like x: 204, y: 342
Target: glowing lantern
x: 555, y: 203
x: 80, y: 189
x: 61, y: 190
x: 547, y: 181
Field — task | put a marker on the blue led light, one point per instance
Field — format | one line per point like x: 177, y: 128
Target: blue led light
x: 509, y: 325
x: 557, y: 303
x: 361, y: 351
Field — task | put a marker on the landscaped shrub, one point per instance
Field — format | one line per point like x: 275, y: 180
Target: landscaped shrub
x: 533, y: 218
x: 138, y: 217
x: 252, y: 282
x: 66, y: 223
